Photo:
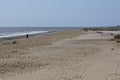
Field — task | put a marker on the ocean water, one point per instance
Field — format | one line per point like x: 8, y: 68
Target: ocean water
x: 20, y: 31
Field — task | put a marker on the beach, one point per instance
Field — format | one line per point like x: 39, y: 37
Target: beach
x: 66, y: 55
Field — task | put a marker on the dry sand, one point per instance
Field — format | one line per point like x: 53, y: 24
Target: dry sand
x: 70, y: 55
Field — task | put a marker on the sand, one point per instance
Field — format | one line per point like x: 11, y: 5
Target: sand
x: 69, y: 55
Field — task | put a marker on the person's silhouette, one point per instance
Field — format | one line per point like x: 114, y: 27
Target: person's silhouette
x: 26, y: 35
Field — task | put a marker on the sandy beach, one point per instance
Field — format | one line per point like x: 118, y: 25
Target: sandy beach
x: 68, y: 55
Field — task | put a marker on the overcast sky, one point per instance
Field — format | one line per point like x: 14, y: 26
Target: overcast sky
x: 59, y: 13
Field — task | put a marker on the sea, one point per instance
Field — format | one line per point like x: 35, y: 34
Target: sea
x: 20, y: 31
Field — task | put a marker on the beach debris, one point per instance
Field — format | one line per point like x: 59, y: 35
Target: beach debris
x: 112, y: 48
x: 111, y: 39
x: 111, y: 34
x: 14, y: 51
x: 117, y: 36
x: 14, y: 42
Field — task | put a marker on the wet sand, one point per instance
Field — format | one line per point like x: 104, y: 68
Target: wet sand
x: 69, y: 55
x: 4, y: 39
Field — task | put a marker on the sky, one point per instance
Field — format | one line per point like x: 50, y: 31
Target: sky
x: 59, y: 13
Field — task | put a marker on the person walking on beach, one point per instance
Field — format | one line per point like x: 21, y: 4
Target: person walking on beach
x: 26, y: 35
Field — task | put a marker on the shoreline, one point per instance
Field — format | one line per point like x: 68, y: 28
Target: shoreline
x: 12, y: 38
x: 20, y: 32
x: 45, y: 39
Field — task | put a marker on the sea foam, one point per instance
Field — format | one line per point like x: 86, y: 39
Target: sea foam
x: 22, y: 34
